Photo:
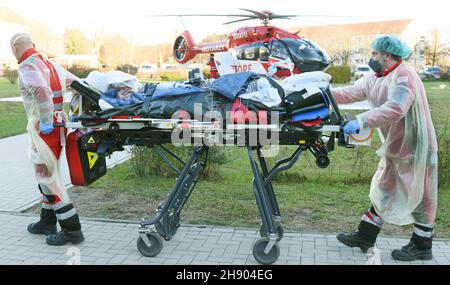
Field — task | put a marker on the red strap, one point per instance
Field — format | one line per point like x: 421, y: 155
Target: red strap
x: 29, y: 52
x: 390, y: 69
x: 240, y: 113
x: 311, y: 123
x: 55, y: 84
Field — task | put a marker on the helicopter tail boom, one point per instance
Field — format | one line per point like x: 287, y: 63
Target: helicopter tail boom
x: 184, y: 48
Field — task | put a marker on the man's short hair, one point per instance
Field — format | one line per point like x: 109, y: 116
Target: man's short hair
x: 20, y: 38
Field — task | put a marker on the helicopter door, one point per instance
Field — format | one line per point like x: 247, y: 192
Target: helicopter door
x: 225, y: 62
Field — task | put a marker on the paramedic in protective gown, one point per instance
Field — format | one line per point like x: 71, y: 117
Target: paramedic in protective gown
x: 404, y: 188
x: 42, y: 86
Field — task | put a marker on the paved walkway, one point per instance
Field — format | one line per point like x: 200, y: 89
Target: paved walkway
x: 18, y: 186
x: 113, y: 242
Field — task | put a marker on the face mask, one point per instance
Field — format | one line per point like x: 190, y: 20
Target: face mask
x: 375, y: 65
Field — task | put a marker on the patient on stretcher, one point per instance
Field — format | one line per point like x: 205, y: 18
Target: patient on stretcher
x: 118, y: 88
x: 121, y: 96
x: 300, y: 98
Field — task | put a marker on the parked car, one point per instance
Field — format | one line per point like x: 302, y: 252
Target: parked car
x: 432, y: 72
x: 361, y: 70
x: 169, y: 66
x: 147, y: 70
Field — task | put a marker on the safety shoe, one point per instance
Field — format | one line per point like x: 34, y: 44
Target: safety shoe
x: 418, y: 248
x: 64, y: 236
x: 39, y: 228
x: 355, y: 240
x: 364, y: 237
x: 411, y: 252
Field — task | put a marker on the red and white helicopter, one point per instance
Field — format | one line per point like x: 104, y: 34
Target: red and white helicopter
x: 256, y: 48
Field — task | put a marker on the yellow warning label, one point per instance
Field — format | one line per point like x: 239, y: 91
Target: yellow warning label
x: 301, y: 142
x: 91, y: 140
x: 92, y: 158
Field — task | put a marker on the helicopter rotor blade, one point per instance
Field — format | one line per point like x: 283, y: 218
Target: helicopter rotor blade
x: 257, y: 13
x: 263, y: 15
x: 200, y: 15
x: 327, y: 16
x: 241, y: 20
x: 275, y: 16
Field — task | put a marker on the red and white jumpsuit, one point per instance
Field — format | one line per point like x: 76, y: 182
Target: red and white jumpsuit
x: 42, y: 86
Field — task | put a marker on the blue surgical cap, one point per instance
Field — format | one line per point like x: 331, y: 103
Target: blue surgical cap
x: 392, y: 45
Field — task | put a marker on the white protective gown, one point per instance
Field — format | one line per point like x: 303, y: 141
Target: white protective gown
x: 404, y: 187
x: 34, y: 84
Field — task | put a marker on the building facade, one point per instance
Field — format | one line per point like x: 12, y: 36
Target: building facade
x: 350, y: 43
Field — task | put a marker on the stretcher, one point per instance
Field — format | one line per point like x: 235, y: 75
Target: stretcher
x: 105, y: 135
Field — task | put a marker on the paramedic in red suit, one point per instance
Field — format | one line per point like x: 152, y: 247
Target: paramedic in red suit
x: 212, y: 66
x: 42, y: 86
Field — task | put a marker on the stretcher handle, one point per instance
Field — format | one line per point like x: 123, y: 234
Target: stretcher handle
x: 59, y: 125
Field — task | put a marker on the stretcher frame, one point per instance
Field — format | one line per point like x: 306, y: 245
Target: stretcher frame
x: 109, y: 135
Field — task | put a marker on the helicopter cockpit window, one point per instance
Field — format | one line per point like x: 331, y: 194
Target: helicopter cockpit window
x: 324, y: 53
x: 240, y: 53
x: 306, y: 54
x: 263, y: 53
x: 278, y: 50
x: 251, y: 52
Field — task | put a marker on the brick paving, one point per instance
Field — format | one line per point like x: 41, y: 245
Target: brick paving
x: 113, y: 242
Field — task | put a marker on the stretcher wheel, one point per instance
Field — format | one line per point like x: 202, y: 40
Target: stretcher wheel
x: 322, y: 161
x: 264, y: 233
x: 155, y: 247
x: 258, y: 251
x: 114, y: 127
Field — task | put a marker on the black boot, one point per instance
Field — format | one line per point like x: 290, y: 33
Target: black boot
x: 46, y: 225
x: 419, y: 248
x: 364, y: 237
x: 70, y: 232
x: 65, y: 236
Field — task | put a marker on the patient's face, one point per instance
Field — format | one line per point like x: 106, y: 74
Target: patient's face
x: 124, y: 92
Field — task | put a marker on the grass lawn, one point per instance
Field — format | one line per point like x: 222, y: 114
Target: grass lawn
x: 311, y: 199
x: 7, y: 89
x: 13, y: 120
x: 12, y: 115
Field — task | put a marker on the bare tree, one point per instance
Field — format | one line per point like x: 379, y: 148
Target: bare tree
x: 339, y: 46
x: 115, y: 51
x: 99, y: 39
x: 434, y: 48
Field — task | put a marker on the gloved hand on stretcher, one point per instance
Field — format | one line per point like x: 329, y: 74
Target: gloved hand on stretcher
x: 74, y: 118
x: 351, y: 127
x: 46, y: 128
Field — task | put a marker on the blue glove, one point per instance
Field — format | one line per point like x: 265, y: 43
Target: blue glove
x: 46, y: 128
x: 351, y: 127
x: 272, y: 69
x: 74, y: 118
